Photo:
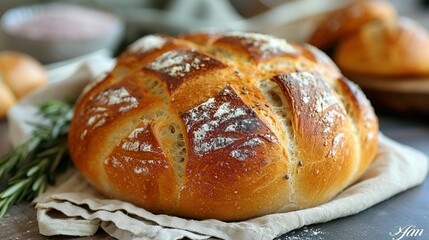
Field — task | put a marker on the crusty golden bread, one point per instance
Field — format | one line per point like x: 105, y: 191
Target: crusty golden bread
x: 347, y: 20
x: 19, y: 74
x: 222, y: 125
x: 397, y: 49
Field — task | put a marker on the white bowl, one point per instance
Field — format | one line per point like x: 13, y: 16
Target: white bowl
x: 56, y: 31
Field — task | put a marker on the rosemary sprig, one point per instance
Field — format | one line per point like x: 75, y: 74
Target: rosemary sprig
x: 35, y: 163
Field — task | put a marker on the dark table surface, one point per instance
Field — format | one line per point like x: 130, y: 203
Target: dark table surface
x: 410, y: 208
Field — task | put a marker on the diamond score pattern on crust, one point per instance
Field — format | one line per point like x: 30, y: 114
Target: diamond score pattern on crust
x: 225, y: 127
x: 178, y: 65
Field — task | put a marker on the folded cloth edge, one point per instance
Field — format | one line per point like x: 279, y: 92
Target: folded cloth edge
x: 51, y: 226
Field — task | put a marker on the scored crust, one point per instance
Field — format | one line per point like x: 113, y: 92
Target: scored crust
x: 219, y: 125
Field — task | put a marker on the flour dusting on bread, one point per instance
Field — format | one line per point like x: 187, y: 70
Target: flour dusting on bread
x: 265, y: 43
x: 147, y: 43
x: 177, y: 64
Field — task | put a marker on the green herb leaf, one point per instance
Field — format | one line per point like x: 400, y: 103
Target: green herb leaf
x: 35, y: 163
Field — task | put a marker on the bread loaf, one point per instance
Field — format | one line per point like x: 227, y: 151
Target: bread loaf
x: 227, y: 126
x: 347, y: 20
x: 388, y: 49
x: 19, y: 74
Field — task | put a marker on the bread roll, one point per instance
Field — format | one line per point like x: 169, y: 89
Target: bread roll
x: 347, y: 20
x: 227, y: 126
x: 19, y: 74
x: 393, y: 49
x: 7, y: 99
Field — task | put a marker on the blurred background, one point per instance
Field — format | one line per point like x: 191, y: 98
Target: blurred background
x: 291, y: 19
x: 59, y: 32
x: 141, y: 17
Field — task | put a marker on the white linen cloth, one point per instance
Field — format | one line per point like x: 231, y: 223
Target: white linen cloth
x: 72, y: 207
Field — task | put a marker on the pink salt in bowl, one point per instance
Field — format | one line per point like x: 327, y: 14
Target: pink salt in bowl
x: 56, y: 32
